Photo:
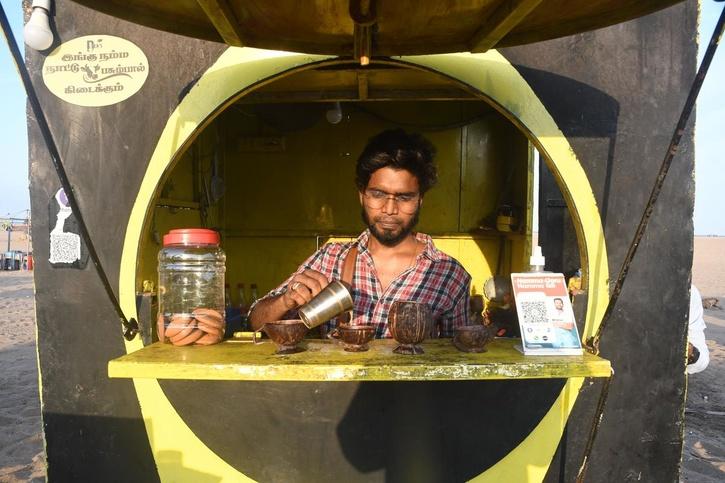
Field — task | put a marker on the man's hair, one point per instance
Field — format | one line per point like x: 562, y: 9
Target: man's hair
x: 398, y: 149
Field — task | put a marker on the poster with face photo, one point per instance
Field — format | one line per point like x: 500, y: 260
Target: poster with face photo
x: 545, y: 314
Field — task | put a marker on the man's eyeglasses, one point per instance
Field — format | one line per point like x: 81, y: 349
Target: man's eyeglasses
x: 407, y: 202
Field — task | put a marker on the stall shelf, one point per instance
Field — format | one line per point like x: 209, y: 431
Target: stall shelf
x: 325, y: 360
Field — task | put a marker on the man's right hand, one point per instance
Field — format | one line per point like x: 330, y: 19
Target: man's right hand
x: 303, y: 287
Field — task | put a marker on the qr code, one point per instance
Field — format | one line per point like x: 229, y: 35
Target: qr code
x: 533, y: 311
x: 65, y: 247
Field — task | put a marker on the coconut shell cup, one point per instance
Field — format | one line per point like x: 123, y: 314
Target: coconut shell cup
x: 473, y: 338
x: 286, y: 334
x: 355, y: 338
x: 409, y: 323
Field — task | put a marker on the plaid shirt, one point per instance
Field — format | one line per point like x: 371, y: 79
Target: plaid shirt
x: 436, y: 279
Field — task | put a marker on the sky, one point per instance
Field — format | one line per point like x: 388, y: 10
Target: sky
x: 710, y: 190
x: 709, y: 135
x: 14, y: 198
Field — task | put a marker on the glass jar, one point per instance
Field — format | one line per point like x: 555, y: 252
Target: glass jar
x: 191, y: 288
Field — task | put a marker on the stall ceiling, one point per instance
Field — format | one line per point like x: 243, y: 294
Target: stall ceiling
x: 349, y: 82
x: 401, y: 27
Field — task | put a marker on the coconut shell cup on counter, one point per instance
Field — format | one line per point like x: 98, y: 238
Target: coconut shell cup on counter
x: 409, y: 323
x: 355, y: 338
x: 473, y: 338
x: 286, y: 334
x: 202, y: 327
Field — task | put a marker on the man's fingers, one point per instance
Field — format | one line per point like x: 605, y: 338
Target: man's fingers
x: 300, y: 291
x: 293, y: 298
x: 321, y: 279
x: 303, y: 287
x: 299, y: 298
x: 310, y: 282
x: 288, y: 300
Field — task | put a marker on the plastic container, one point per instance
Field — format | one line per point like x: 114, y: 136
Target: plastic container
x: 191, y: 288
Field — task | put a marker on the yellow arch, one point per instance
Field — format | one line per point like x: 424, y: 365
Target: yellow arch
x: 239, y: 70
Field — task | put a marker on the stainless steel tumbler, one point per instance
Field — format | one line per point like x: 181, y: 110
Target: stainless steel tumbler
x: 335, y: 299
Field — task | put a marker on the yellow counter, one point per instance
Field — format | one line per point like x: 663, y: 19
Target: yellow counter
x: 325, y: 360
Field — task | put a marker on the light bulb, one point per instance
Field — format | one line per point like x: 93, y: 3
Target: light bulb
x: 334, y: 115
x: 37, y: 31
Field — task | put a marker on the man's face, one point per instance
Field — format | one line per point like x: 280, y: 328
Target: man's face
x: 390, y: 221
x: 559, y: 304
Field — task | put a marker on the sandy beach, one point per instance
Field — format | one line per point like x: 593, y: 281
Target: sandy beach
x: 22, y: 456
x: 703, y: 454
x: 21, y: 441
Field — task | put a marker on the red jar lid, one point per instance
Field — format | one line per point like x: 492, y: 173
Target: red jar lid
x: 191, y: 236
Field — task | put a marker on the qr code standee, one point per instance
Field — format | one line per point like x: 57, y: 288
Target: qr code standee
x: 533, y: 311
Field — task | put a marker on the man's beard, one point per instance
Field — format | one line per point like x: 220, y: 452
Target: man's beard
x: 390, y: 238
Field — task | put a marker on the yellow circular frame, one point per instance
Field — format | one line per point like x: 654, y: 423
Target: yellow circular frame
x: 239, y: 71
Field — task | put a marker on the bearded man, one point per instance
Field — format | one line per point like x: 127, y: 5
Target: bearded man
x: 391, y: 261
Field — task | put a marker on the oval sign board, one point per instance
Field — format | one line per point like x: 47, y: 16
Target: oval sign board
x: 95, y: 70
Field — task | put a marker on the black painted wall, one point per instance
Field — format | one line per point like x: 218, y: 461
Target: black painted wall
x: 643, y: 70
x: 616, y: 93
x: 93, y: 424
